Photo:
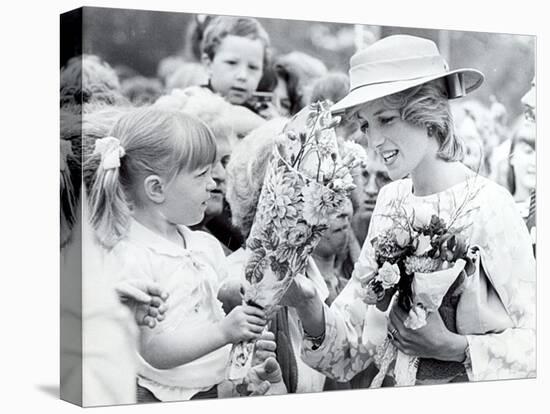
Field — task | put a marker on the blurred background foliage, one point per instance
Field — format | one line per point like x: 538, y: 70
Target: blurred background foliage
x: 140, y: 39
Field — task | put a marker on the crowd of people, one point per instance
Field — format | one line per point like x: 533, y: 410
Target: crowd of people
x: 172, y: 168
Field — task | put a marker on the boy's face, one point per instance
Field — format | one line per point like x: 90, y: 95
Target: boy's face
x: 236, y: 68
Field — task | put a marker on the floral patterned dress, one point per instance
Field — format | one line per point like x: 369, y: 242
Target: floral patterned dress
x: 495, y: 311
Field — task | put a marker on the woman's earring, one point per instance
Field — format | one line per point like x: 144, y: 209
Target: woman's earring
x: 430, y: 130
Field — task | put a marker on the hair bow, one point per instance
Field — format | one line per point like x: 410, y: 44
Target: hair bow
x: 111, y: 152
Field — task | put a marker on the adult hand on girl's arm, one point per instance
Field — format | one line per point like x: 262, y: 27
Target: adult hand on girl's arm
x: 145, y: 298
x: 433, y: 340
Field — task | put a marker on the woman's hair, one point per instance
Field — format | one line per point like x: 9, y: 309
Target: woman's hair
x: 87, y: 79
x: 201, y: 103
x: 521, y: 134
x: 187, y: 74
x: 332, y: 86
x: 153, y: 141
x: 299, y: 70
x: 220, y: 27
x: 140, y: 90
x: 246, y: 170
x: 427, y: 106
x: 167, y: 66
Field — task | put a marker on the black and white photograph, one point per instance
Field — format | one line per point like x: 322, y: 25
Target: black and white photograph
x: 267, y: 206
x: 254, y: 205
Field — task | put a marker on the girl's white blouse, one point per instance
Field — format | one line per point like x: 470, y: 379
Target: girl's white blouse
x: 191, y: 276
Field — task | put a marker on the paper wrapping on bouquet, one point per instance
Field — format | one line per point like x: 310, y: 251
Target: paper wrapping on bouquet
x: 305, y: 184
x: 428, y: 292
x: 292, y: 215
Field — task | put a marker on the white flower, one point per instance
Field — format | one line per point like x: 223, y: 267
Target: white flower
x: 424, y: 245
x: 402, y: 236
x: 416, y: 318
x: 389, y: 275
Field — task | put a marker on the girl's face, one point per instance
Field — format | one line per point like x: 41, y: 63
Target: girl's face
x: 237, y: 67
x: 524, y: 160
x: 187, y: 195
x: 402, y: 146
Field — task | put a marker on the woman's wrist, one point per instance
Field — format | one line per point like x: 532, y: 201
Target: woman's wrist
x: 312, y: 315
x: 457, y: 348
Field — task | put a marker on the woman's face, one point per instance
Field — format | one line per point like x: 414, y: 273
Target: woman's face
x: 402, y: 146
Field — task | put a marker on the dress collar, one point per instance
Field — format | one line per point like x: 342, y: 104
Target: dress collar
x: 138, y: 233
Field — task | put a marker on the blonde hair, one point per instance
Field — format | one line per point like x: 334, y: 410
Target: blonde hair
x: 427, y: 106
x: 154, y: 142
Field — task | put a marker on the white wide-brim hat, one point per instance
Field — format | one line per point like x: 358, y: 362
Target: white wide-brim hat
x: 399, y: 62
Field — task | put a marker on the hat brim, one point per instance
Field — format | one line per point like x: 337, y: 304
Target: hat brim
x: 472, y: 79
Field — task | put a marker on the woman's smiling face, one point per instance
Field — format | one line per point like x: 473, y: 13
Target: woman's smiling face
x: 401, y: 145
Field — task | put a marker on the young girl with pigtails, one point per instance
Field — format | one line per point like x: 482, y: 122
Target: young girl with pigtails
x: 152, y: 180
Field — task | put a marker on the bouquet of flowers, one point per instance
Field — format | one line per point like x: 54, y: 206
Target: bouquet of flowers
x: 420, y: 258
x: 306, y: 182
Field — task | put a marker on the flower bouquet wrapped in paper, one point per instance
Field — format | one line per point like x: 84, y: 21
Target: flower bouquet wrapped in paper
x: 306, y: 182
x: 420, y: 257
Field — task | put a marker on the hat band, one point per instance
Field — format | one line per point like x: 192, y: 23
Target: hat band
x: 396, y: 70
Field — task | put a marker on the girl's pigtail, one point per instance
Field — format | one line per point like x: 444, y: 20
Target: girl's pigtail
x: 109, y: 211
x: 68, y: 197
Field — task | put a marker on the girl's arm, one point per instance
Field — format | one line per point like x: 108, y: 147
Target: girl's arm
x: 171, y: 348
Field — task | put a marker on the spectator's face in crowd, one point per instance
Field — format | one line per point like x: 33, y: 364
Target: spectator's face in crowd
x: 524, y: 159
x: 529, y: 101
x: 336, y: 239
x: 473, y: 143
x: 236, y: 68
x: 368, y: 182
x: 280, y: 97
x: 217, y: 195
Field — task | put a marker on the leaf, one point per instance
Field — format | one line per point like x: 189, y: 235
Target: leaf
x: 253, y: 244
x: 255, y: 267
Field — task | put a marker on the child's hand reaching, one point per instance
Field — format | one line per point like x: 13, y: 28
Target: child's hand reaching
x: 243, y: 323
x: 145, y: 298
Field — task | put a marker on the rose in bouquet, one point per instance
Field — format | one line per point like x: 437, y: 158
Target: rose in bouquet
x: 306, y: 182
x: 420, y: 257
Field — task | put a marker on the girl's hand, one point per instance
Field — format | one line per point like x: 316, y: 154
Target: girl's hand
x: 243, y: 323
x: 145, y: 298
x: 433, y: 340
